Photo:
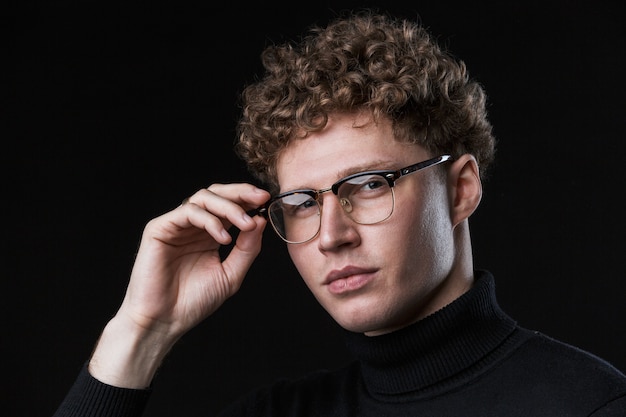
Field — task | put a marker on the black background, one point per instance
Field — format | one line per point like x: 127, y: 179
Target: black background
x: 118, y: 111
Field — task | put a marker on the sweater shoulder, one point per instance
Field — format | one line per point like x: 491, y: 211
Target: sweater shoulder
x: 557, y: 356
x: 550, y: 372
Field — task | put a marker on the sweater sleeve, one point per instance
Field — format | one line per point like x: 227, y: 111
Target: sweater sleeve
x: 89, y: 397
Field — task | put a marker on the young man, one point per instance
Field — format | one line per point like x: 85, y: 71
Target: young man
x: 373, y: 142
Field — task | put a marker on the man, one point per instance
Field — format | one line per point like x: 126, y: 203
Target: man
x: 373, y: 143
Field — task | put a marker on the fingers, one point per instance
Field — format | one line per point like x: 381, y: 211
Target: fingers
x: 218, y: 207
x: 213, y: 211
x: 229, y: 201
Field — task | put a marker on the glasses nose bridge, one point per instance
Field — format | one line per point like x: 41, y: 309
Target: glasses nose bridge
x: 319, y: 193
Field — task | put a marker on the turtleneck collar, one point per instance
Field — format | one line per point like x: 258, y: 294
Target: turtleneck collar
x: 436, y: 348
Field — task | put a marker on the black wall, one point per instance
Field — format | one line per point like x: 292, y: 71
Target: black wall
x: 117, y: 113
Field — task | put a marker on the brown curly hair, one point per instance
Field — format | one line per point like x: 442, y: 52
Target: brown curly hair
x: 388, y: 66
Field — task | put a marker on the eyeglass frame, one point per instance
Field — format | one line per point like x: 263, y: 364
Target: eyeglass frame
x: 391, y: 176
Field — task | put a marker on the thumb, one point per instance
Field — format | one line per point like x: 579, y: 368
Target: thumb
x: 247, y: 247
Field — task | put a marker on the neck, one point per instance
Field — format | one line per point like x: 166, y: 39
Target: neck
x: 437, y: 351
x: 460, y: 277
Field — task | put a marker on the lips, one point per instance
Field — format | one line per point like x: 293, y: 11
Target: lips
x: 348, y: 279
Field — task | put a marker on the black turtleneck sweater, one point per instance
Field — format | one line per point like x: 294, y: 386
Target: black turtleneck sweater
x: 467, y: 359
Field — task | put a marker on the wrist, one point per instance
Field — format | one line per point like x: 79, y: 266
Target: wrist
x: 128, y: 356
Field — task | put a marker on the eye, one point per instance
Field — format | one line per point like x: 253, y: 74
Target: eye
x: 374, y: 184
x: 306, y: 205
x: 298, y: 205
x: 364, y: 186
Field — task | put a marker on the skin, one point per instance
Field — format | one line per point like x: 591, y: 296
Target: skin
x: 400, y: 270
x: 392, y: 273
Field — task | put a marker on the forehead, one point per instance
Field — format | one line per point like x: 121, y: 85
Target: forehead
x: 348, y: 144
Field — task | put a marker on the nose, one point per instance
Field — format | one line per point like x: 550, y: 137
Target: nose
x: 337, y: 229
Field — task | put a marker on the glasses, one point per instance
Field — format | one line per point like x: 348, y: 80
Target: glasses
x: 366, y: 198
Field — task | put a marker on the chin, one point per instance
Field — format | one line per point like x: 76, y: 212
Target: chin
x: 370, y: 320
x: 364, y: 314
x: 360, y: 322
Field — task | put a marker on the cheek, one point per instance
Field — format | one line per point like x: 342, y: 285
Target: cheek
x: 302, y: 260
x: 427, y: 234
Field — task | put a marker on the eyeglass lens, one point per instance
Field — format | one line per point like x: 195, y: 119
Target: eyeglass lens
x: 366, y: 199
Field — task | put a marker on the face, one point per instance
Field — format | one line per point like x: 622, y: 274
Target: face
x: 380, y: 277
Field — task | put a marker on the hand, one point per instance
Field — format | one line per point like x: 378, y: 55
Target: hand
x: 179, y: 279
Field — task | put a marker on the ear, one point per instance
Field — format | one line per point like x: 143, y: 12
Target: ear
x: 464, y: 188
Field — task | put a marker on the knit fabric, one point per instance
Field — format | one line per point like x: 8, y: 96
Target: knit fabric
x: 467, y: 359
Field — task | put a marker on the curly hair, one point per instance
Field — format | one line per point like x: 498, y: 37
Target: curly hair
x: 388, y: 66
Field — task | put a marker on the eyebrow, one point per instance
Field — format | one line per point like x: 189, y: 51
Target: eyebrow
x: 370, y: 166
